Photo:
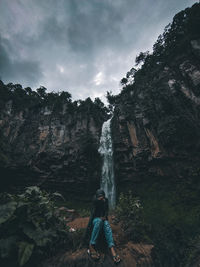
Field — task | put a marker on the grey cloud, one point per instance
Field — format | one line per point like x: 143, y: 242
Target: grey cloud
x: 5, y: 63
x: 53, y: 31
x: 94, y: 27
x: 83, y: 46
x: 15, y: 70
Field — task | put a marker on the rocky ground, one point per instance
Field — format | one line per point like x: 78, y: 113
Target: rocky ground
x: 131, y: 254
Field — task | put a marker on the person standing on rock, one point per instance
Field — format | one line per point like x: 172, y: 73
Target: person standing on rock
x: 99, y: 221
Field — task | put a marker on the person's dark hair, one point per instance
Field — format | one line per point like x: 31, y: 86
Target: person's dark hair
x: 100, y: 193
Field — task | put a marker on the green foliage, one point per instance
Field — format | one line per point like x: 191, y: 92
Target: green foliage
x: 124, y: 81
x: 7, y: 246
x: 130, y: 211
x: 131, y: 73
x: 7, y: 210
x: 29, y: 226
x: 111, y: 98
x: 25, y: 98
x: 25, y: 252
x: 84, y: 212
x: 174, y: 42
x: 96, y: 109
x: 141, y: 58
x: 98, y: 103
x: 82, y: 208
x: 76, y: 238
x: 129, y: 79
x: 171, y: 206
x: 42, y: 91
x: 193, y: 252
x: 56, y: 101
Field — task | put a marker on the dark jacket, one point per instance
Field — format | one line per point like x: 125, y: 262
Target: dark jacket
x: 99, y: 209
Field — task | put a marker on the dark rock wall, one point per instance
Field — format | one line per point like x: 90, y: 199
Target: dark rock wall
x: 156, y: 128
x: 56, y: 150
x: 156, y: 124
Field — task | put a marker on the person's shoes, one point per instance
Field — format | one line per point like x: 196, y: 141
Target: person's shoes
x: 93, y: 254
x: 116, y: 258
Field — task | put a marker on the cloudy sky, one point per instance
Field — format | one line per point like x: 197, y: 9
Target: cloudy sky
x: 84, y: 47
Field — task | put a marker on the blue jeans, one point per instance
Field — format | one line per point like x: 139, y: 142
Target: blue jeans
x: 97, y: 225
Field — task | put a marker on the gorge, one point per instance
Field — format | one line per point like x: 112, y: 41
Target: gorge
x: 153, y: 139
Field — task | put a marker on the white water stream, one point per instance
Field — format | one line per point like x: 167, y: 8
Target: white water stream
x: 106, y: 151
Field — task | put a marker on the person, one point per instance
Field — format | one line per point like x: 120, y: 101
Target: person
x: 99, y: 221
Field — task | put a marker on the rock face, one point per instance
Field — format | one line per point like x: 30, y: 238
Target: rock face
x: 156, y: 124
x: 56, y: 150
x: 157, y: 130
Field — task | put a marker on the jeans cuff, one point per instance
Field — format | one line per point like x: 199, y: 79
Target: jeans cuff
x: 111, y: 245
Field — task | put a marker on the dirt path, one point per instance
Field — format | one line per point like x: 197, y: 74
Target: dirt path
x: 132, y: 255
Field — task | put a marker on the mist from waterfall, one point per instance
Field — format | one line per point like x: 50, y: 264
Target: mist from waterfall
x: 107, y: 176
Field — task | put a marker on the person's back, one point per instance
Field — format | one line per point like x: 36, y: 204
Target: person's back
x: 100, y: 207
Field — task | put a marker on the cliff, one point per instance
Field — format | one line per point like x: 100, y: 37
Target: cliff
x: 156, y: 137
x: 156, y: 125
x: 54, y: 146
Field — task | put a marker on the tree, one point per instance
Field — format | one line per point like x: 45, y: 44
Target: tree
x: 110, y: 98
x: 141, y: 58
x: 98, y: 102
x: 124, y: 81
x: 66, y: 96
x: 131, y: 73
x: 41, y: 91
x: 28, y: 90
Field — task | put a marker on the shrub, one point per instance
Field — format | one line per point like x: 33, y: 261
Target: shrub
x: 192, y: 254
x: 130, y: 211
x: 29, y: 227
x: 77, y: 237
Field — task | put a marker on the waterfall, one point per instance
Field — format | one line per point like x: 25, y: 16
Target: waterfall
x: 106, y: 151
